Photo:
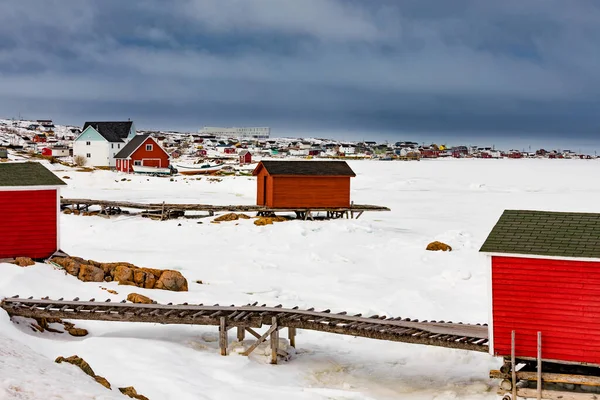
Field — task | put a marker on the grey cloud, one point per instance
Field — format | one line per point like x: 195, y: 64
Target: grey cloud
x: 322, y: 64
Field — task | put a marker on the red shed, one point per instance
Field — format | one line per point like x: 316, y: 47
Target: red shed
x: 303, y: 184
x: 545, y: 277
x: 29, y: 209
x: 143, y: 151
x: 39, y: 138
x: 245, y: 157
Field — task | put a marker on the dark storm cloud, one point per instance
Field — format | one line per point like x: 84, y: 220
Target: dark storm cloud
x: 516, y: 67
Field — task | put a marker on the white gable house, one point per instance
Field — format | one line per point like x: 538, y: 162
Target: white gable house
x: 99, y: 142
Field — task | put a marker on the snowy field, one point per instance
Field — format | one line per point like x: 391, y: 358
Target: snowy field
x: 374, y: 265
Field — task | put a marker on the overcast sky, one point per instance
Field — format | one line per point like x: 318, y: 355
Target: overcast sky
x: 390, y: 69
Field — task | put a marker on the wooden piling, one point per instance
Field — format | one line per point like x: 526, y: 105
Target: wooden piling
x: 223, y: 336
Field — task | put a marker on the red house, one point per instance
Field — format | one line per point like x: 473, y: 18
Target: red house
x: 303, y: 184
x: 143, y: 151
x: 245, y: 157
x: 29, y: 210
x: 545, y: 277
x: 39, y: 138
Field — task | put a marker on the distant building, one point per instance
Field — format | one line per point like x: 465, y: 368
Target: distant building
x: 242, y: 133
x: 99, y: 142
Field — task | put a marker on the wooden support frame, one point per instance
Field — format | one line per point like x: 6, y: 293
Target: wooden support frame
x: 292, y: 337
x: 513, y: 364
x: 274, y: 341
x: 260, y: 340
x: 223, y: 343
x: 539, y: 366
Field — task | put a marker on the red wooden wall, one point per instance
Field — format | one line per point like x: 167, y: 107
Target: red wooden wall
x: 155, y: 158
x: 559, y: 298
x: 28, y: 223
x: 309, y: 191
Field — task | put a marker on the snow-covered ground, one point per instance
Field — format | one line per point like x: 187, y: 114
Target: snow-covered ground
x: 374, y: 265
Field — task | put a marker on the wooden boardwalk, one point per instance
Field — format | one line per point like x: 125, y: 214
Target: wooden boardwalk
x: 252, y: 316
x: 170, y: 210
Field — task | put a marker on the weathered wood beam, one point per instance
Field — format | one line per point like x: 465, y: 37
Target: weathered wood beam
x: 274, y: 341
x: 223, y: 336
x: 260, y: 340
x: 548, y: 377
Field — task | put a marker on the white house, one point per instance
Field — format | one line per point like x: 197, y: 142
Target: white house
x: 99, y: 142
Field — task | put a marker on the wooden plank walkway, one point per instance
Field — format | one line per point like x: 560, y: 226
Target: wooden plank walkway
x: 167, y: 209
x: 245, y: 318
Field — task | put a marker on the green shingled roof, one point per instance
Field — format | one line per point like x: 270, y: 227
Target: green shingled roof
x: 544, y: 233
x: 27, y: 174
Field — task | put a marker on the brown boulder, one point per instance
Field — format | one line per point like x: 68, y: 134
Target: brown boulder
x: 172, y: 280
x: 436, y: 246
x: 139, y: 277
x: 101, y: 380
x: 78, y: 361
x: 24, y: 261
x: 77, y: 331
x: 138, y: 298
x: 70, y: 265
x: 67, y: 211
x: 89, y: 273
x: 123, y: 273
x: 131, y: 392
x: 150, y: 281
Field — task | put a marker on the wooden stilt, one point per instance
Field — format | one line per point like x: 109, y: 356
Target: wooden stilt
x: 223, y: 336
x: 162, y: 212
x: 539, y: 366
x: 274, y: 341
x: 513, y: 365
x: 292, y: 336
x: 241, y: 333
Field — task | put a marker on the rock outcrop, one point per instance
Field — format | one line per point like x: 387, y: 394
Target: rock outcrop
x: 23, y: 261
x: 131, y: 392
x: 124, y: 273
x: 139, y: 298
x: 436, y: 246
x: 85, y: 367
x: 261, y: 221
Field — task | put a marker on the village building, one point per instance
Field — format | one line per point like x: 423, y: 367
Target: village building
x: 303, y: 184
x: 56, y: 151
x: 99, y: 142
x: 29, y: 210
x: 143, y: 151
x: 545, y: 277
x: 245, y: 157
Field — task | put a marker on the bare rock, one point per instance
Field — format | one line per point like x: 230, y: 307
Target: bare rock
x: 131, y: 392
x: 89, y: 273
x: 139, y: 277
x: 138, y: 298
x: 78, y: 361
x: 67, y: 211
x: 24, y: 261
x: 150, y: 281
x: 172, y: 280
x: 77, y: 332
x: 436, y: 246
x: 70, y: 265
x: 123, y: 273
x: 102, y: 380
